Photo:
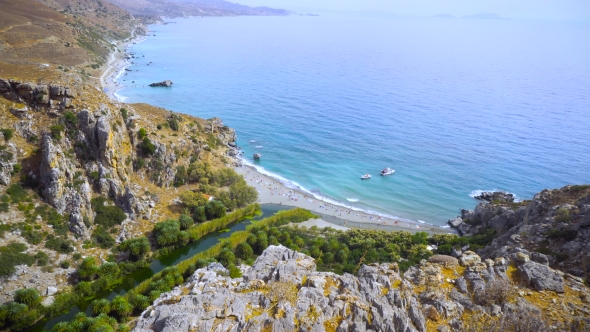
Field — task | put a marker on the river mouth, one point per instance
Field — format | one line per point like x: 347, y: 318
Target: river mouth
x: 173, y: 258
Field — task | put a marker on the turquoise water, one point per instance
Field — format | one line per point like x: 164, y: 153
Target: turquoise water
x: 453, y: 105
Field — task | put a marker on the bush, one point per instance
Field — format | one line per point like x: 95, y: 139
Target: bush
x: 17, y: 193
x: 200, y: 215
x: 107, y: 216
x: 56, y: 131
x: 185, y: 221
x: 147, y: 147
x: 70, y: 119
x: 88, y: 268
x: 244, y: 251
x: 101, y: 306
x: 137, y: 247
x: 42, y: 258
x: 58, y: 244
x: 168, y: 234
x: 142, y: 133
x: 7, y: 132
x: 124, y: 113
x: 12, y: 255
x: 102, y: 237
x: 16, y: 168
x: 447, y: 261
x: 496, y: 291
x: 215, y: 209
x: 28, y: 296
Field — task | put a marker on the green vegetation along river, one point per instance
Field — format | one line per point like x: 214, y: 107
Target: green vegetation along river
x: 176, y: 256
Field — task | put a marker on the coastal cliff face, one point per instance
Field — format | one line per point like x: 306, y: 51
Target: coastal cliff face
x: 554, y: 227
x: 282, y: 291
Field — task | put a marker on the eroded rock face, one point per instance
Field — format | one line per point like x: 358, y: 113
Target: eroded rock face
x: 554, y: 221
x: 7, y: 161
x: 282, y: 290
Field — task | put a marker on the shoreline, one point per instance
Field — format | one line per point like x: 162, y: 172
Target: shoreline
x: 116, y: 66
x: 331, y: 213
x: 273, y: 191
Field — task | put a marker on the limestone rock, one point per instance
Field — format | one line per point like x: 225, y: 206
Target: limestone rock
x: 541, y: 277
x: 281, y: 288
x: 7, y: 161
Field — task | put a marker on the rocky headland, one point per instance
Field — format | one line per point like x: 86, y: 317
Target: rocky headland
x: 282, y: 291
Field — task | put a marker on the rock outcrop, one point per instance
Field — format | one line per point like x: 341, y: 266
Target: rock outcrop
x: 553, y: 228
x: 495, y: 196
x: 8, y: 158
x: 166, y: 84
x: 282, y: 291
x: 37, y: 95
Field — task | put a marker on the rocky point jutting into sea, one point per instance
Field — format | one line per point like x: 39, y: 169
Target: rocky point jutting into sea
x: 97, y: 197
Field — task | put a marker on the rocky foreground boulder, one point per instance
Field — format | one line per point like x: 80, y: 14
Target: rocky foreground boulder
x: 282, y: 291
x: 553, y: 227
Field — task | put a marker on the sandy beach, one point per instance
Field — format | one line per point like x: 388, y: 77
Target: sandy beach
x: 115, y: 67
x: 272, y: 191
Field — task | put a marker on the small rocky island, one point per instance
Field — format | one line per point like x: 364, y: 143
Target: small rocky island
x: 166, y: 84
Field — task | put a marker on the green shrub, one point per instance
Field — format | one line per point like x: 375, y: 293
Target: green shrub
x: 215, y: 209
x: 244, y: 251
x: 28, y: 296
x: 168, y: 234
x: 12, y: 255
x: 70, y: 119
x: 137, y: 247
x: 147, y: 147
x: 16, y: 168
x: 59, y: 244
x: 7, y: 132
x: 185, y: 221
x: 200, y: 215
x: 56, y: 131
x: 42, y: 258
x: 17, y: 193
x: 142, y: 133
x: 124, y: 113
x: 88, y: 268
x: 107, y: 216
x: 102, y: 237
x: 65, y: 264
x: 181, y: 176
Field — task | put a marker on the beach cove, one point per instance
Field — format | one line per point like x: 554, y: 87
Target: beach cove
x: 321, y: 119
x: 341, y: 217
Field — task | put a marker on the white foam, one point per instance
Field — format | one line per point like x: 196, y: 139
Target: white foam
x: 294, y: 185
x: 478, y: 192
x: 252, y: 141
x: 119, y: 97
x: 353, y: 200
x: 259, y: 146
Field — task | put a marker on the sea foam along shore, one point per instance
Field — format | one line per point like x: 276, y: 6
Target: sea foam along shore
x: 274, y: 190
x: 116, y: 66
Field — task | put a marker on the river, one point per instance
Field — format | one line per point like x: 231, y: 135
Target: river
x: 175, y: 257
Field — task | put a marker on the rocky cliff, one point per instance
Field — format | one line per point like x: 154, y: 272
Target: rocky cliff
x: 554, y: 226
x: 282, y: 291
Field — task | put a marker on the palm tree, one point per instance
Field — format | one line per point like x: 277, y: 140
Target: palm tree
x: 102, y: 306
x: 120, y: 306
x: 28, y: 296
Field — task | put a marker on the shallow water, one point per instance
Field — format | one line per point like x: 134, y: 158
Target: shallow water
x: 453, y: 105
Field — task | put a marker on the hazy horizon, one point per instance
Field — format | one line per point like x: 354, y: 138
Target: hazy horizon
x: 569, y: 10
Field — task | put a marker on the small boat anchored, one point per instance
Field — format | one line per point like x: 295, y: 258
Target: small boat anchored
x: 387, y: 171
x: 366, y: 177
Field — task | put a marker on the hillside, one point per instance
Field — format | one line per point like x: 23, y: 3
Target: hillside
x: 183, y: 8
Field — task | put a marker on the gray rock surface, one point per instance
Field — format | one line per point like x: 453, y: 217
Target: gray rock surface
x: 166, y: 84
x: 283, y: 290
x: 541, y: 277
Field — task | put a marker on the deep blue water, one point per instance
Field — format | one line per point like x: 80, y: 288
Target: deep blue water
x: 454, y: 105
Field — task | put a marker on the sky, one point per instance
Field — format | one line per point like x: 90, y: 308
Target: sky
x: 577, y: 10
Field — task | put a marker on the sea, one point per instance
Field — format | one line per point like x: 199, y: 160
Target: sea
x: 455, y: 106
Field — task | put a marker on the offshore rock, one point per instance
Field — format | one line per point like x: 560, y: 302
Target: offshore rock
x: 496, y: 196
x: 166, y: 84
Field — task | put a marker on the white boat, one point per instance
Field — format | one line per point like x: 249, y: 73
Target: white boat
x: 387, y: 171
x: 366, y: 177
